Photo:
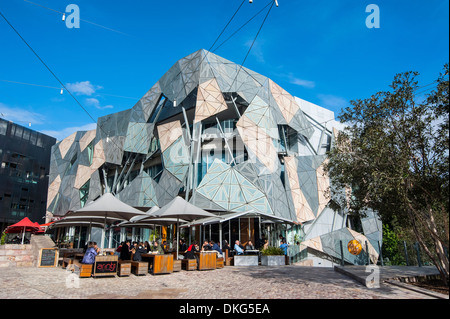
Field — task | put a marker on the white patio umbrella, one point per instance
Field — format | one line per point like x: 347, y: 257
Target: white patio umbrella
x: 180, y: 209
x: 107, y: 206
x: 151, y: 222
x: 147, y: 214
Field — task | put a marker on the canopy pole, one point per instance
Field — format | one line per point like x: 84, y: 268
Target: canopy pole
x: 178, y: 234
x: 220, y: 235
x: 23, y: 234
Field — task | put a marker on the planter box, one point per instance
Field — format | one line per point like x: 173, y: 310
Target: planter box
x: 248, y: 260
x: 273, y: 260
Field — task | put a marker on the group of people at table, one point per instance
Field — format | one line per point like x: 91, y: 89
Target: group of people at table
x: 134, y: 251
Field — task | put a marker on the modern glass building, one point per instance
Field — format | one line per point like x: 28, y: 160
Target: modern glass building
x: 228, y: 140
x: 25, y: 165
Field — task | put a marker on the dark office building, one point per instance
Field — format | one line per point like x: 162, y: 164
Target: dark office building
x: 25, y: 165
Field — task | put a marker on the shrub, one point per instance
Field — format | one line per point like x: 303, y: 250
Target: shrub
x: 270, y: 251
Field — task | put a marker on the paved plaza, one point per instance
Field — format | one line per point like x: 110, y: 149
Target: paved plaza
x: 289, y: 282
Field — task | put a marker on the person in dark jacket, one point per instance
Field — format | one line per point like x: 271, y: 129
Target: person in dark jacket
x: 183, y: 247
x: 216, y: 247
x: 138, y: 251
x: 125, y: 253
x: 190, y: 253
x: 206, y: 246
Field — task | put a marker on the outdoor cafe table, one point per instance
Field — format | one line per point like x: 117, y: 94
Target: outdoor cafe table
x: 161, y: 264
x: 207, y: 260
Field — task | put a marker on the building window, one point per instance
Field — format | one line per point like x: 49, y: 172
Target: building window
x: 3, y: 127
x: 84, y: 193
x: 154, y: 145
x: 18, y: 132
x: 90, y: 150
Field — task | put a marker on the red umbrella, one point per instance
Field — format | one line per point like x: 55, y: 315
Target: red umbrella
x: 23, y: 226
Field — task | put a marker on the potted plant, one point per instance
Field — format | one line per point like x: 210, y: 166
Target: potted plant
x: 272, y: 256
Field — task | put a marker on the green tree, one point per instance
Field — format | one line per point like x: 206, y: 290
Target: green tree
x: 390, y: 246
x: 393, y: 156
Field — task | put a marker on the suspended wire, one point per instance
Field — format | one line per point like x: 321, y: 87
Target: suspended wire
x: 204, y: 57
x: 248, y: 21
x: 90, y: 22
x: 54, y: 75
x: 251, y: 46
x: 58, y: 88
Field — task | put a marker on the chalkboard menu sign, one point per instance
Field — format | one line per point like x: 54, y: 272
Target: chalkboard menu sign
x: 48, y: 257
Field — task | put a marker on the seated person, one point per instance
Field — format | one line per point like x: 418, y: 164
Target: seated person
x: 225, y: 245
x: 165, y: 246
x: 238, y: 248
x: 138, y: 251
x: 206, y: 246
x: 125, y: 253
x: 215, y: 246
x: 147, y: 246
x: 190, y: 253
x: 158, y: 248
x: 182, y: 247
x: 249, y: 246
x: 119, y: 249
x: 91, y: 252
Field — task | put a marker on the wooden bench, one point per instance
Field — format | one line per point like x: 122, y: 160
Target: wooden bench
x: 139, y: 267
x: 189, y: 264
x: 177, y: 265
x: 124, y: 268
x: 82, y: 270
x: 85, y: 270
x: 219, y: 262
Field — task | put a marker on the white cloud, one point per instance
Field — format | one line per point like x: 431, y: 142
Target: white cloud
x: 83, y: 88
x: 20, y: 116
x: 256, y: 50
x: 62, y: 134
x: 301, y: 82
x: 96, y: 103
x: 332, y: 101
x: 297, y: 81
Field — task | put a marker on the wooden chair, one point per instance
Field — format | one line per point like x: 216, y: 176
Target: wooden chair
x: 124, y: 268
x: 177, y: 265
x: 189, y: 264
x: 139, y: 267
x: 228, y: 260
x: 219, y: 262
x: 85, y: 270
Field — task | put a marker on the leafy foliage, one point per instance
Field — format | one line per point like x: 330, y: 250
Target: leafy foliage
x: 271, y: 251
x: 393, y: 158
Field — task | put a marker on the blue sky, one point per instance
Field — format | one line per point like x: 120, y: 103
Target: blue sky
x: 320, y: 51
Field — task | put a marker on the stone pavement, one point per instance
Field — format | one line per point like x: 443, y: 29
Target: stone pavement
x: 288, y: 282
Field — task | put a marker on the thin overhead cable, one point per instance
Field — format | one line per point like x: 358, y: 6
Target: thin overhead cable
x: 52, y: 73
x: 248, y: 21
x: 251, y: 46
x: 215, y: 41
x: 90, y: 22
x: 58, y: 88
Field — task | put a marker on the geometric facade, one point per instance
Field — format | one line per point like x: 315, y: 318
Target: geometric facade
x: 226, y: 138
